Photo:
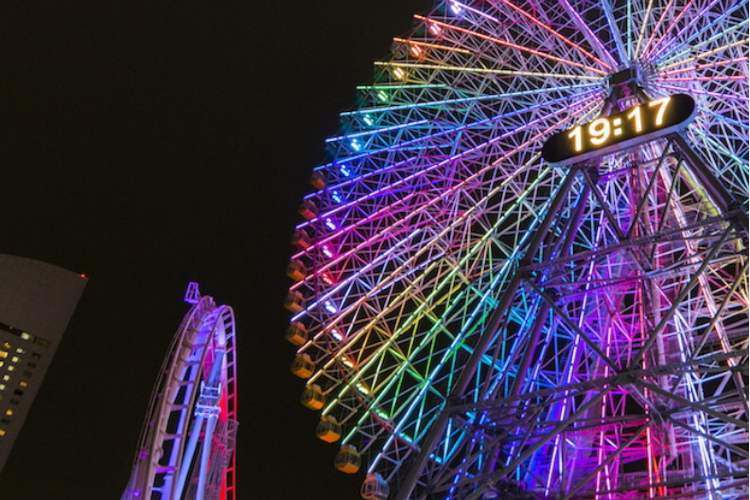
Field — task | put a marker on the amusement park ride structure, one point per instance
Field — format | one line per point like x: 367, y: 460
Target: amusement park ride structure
x: 523, y: 274
x: 187, y: 445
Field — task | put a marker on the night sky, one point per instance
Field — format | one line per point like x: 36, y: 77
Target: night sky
x: 150, y: 144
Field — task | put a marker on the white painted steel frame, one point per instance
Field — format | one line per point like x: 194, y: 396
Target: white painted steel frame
x: 196, y: 386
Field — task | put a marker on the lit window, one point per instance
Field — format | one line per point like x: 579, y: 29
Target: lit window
x: 3, y: 354
x: 15, y: 359
x: 23, y: 383
x: 2, y: 387
x: 6, y: 345
x: 2, y: 363
x: 2, y: 432
x: 25, y: 336
x: 6, y: 377
x: 11, y: 368
x: 20, y: 351
x: 9, y: 412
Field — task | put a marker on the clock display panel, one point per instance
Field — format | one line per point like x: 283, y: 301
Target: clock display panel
x: 628, y: 128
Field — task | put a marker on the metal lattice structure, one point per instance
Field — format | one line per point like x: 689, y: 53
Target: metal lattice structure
x: 477, y: 323
x: 186, y: 450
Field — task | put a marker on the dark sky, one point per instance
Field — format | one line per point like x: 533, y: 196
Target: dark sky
x: 149, y: 144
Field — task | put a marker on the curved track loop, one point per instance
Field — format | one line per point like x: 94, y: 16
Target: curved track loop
x: 186, y: 450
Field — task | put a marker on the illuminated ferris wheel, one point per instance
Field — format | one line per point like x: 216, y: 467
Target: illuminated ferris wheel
x: 523, y: 274
x: 187, y: 445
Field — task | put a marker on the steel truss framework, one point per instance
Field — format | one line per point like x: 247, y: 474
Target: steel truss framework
x: 186, y: 449
x: 483, y: 324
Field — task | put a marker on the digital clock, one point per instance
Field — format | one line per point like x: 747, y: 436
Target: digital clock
x: 617, y: 131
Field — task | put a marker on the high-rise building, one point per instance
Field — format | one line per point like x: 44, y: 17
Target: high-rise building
x: 37, y: 301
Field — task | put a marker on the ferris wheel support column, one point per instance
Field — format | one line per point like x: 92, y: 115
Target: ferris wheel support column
x: 407, y: 485
x: 716, y: 190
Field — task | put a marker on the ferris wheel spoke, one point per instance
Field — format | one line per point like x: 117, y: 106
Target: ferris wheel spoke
x: 663, y: 46
x: 585, y: 28
x: 523, y: 50
x: 705, y: 66
x: 644, y: 25
x: 493, y: 71
x: 656, y: 28
x: 549, y: 29
x: 622, y: 44
x: 732, y: 32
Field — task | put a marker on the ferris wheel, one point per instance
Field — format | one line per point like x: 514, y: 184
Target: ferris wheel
x: 187, y: 445
x: 523, y: 273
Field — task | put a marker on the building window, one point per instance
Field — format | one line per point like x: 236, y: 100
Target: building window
x: 31, y: 364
